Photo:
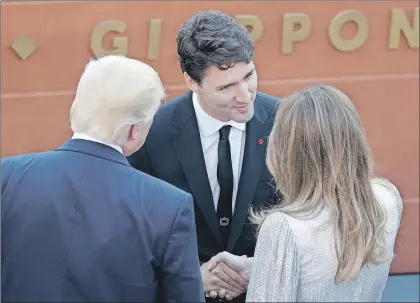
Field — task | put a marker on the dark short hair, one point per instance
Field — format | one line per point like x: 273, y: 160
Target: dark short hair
x: 212, y: 38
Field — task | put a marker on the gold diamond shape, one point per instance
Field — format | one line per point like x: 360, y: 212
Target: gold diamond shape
x: 24, y: 46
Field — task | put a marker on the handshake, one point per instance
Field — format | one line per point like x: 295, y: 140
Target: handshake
x: 226, y: 275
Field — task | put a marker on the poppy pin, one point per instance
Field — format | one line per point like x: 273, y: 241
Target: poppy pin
x: 260, y: 142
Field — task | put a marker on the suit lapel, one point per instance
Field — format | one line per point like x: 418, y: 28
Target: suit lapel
x: 190, y: 153
x: 252, y: 164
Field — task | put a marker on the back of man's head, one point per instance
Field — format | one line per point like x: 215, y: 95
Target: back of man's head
x: 115, y: 93
x: 212, y: 38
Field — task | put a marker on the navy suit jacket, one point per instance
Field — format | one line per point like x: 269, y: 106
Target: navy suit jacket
x: 173, y: 153
x: 80, y: 224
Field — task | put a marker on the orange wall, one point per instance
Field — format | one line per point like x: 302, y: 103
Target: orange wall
x: 383, y: 83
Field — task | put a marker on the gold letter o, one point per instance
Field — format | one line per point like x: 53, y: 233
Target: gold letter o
x: 335, y: 30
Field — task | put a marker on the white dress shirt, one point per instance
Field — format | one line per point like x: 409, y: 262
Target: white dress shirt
x: 209, y: 134
x: 89, y: 138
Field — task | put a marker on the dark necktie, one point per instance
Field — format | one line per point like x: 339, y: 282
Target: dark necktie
x: 225, y: 179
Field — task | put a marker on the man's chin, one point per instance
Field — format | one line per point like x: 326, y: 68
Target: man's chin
x: 244, y: 117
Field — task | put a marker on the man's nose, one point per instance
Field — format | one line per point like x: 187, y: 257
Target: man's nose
x: 242, y: 93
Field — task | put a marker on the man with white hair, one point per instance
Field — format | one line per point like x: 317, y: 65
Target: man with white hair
x: 80, y: 224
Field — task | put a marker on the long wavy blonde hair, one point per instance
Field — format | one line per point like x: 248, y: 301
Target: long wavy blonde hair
x: 319, y: 156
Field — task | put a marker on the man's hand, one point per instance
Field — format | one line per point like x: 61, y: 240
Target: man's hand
x: 222, y: 280
x: 239, y: 264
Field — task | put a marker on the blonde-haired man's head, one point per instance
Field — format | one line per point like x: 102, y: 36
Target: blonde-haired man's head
x: 116, y: 100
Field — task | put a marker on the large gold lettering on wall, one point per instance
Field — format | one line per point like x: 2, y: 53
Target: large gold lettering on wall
x: 401, y: 25
x: 253, y: 23
x: 119, y: 44
x: 154, y: 38
x: 296, y: 28
x: 334, y: 30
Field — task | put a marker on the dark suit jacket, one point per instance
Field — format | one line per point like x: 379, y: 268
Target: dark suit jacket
x: 80, y: 224
x: 173, y: 153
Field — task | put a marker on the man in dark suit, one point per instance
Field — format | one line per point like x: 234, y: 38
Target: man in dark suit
x: 80, y: 224
x: 211, y: 142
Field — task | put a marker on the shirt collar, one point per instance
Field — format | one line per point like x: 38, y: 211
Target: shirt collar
x: 209, y: 125
x: 87, y: 137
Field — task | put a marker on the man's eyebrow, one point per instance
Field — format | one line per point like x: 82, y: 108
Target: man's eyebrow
x: 233, y: 83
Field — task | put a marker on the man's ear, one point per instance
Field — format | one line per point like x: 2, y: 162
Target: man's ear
x: 192, y: 85
x: 133, y: 132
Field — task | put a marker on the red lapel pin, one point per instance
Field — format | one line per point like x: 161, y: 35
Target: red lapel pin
x: 260, y: 142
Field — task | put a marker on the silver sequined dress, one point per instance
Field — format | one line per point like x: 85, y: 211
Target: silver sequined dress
x: 295, y: 259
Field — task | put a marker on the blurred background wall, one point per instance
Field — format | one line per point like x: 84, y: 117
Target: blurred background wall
x: 368, y: 49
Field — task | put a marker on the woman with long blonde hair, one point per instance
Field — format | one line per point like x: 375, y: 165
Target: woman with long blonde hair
x: 332, y: 236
